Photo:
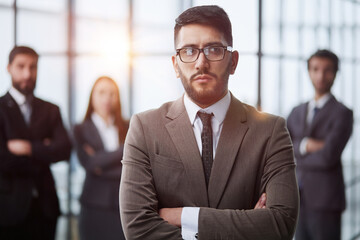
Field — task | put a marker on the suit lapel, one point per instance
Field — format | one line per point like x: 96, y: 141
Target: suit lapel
x: 15, y: 112
x: 182, y: 135
x: 231, y: 137
x: 303, y: 119
x: 36, y: 112
x: 321, y: 116
x: 95, y: 135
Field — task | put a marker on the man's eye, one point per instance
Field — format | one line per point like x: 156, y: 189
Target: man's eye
x: 214, y: 50
x: 189, y: 51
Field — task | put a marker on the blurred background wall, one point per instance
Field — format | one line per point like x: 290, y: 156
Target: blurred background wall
x: 132, y: 41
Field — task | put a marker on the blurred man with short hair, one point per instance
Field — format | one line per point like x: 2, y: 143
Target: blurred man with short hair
x: 320, y: 130
x: 32, y: 136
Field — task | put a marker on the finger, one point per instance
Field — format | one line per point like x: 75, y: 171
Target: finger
x: 88, y: 149
x: 263, y: 199
x: 258, y: 204
x: 261, y: 202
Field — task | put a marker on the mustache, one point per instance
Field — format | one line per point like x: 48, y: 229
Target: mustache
x: 202, y: 72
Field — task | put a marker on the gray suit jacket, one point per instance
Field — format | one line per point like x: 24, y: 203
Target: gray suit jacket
x: 320, y: 174
x: 162, y: 167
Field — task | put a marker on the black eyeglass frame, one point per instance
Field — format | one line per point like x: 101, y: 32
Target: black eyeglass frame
x: 226, y: 48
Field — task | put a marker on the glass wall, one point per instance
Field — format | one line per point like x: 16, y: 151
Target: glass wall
x: 6, y: 41
x: 154, y: 80
x: 100, y: 46
x: 132, y: 42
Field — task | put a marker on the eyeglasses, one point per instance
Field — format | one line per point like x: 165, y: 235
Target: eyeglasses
x: 212, y: 53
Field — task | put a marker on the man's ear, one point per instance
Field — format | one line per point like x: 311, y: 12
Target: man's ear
x: 175, y: 65
x: 234, y: 61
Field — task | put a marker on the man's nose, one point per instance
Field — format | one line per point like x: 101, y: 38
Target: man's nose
x: 26, y: 73
x: 202, y: 62
x: 321, y: 75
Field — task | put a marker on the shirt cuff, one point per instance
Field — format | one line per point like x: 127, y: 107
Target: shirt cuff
x: 189, y: 222
x: 302, y: 148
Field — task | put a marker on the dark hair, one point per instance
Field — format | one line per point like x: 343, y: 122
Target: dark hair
x: 323, y: 53
x: 21, y: 50
x: 210, y: 15
x: 120, y: 123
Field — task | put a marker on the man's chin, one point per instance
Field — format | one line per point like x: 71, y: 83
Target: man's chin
x: 26, y: 91
x: 203, y: 97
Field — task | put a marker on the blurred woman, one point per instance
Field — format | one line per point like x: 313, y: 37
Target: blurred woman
x: 99, y: 142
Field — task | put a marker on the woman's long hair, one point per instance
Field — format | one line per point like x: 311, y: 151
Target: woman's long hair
x: 120, y: 123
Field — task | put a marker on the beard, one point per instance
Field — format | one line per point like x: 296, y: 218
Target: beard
x: 209, y: 95
x: 26, y: 90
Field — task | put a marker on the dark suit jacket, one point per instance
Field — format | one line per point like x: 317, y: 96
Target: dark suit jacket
x: 320, y: 174
x: 162, y: 167
x: 98, y: 190
x: 19, y: 175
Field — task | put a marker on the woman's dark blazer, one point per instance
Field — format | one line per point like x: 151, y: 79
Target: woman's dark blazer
x: 100, y: 189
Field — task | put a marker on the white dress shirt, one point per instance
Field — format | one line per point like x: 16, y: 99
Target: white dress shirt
x: 320, y: 103
x: 108, y: 132
x: 24, y: 106
x: 190, y: 215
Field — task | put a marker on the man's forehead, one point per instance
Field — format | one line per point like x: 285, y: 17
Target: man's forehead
x: 322, y: 64
x: 199, y: 35
x: 25, y: 58
x: 321, y: 60
x: 316, y: 58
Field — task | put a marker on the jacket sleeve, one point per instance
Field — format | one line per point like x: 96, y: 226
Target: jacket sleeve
x: 296, y: 140
x: 278, y: 220
x: 138, y: 199
x: 335, y: 142
x: 113, y: 172
x: 59, y: 146
x: 108, y: 162
x: 10, y: 163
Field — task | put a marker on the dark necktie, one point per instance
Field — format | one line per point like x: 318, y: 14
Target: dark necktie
x: 26, y: 110
x: 315, y: 112
x: 207, y: 144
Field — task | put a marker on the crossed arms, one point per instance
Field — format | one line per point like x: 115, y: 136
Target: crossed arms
x: 18, y: 154
x: 145, y: 213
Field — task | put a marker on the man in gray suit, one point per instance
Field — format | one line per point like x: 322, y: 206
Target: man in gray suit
x: 196, y: 167
x: 320, y: 130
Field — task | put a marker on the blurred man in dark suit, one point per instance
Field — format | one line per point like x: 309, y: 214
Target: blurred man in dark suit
x: 32, y: 136
x: 320, y: 130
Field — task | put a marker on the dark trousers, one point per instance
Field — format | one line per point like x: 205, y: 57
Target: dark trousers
x: 318, y: 225
x: 100, y: 223
x: 35, y: 226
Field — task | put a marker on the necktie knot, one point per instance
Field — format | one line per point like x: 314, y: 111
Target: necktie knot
x: 205, y: 118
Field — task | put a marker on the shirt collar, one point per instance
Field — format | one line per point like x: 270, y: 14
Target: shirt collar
x: 219, y: 109
x: 100, y: 122
x: 320, y: 102
x: 17, y: 96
